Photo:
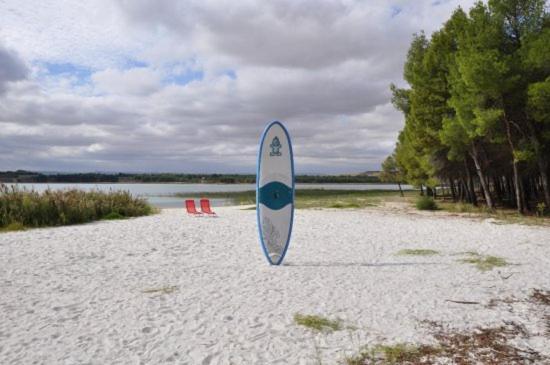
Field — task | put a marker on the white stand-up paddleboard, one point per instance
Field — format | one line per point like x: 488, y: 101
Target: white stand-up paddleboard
x: 275, y: 192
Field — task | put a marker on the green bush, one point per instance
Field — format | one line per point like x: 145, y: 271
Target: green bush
x: 62, y: 207
x: 426, y: 203
x: 541, y: 209
x: 113, y: 216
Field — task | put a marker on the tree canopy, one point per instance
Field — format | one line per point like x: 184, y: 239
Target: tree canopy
x: 477, y: 110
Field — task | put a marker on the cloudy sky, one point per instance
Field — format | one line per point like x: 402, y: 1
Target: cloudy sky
x: 188, y: 86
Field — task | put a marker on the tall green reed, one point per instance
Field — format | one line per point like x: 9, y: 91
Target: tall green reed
x: 62, y: 207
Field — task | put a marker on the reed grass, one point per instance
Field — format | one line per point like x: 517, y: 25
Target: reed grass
x: 28, y: 208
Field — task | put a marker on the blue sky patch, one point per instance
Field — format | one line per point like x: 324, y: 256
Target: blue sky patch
x: 231, y: 73
x: 184, y: 78
x: 81, y: 74
x: 131, y: 63
x: 395, y: 10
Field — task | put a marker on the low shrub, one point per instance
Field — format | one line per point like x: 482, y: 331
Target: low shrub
x: 426, y: 203
x: 541, y: 209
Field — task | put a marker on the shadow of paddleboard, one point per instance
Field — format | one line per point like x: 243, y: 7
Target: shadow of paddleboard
x: 358, y: 264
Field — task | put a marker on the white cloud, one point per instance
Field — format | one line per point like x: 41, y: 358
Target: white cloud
x: 135, y: 81
x: 90, y: 33
x: 12, y: 68
x: 143, y: 85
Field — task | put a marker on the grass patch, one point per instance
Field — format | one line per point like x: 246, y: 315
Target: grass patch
x: 347, y: 205
x: 503, y: 215
x: 426, y: 203
x: 493, y: 345
x: 315, y: 198
x: 28, y: 208
x: 471, y: 253
x: 317, y: 323
x: 417, y: 252
x: 513, y: 217
x: 464, y: 208
x: 12, y: 227
x: 400, y: 353
x: 161, y: 290
x: 484, y: 263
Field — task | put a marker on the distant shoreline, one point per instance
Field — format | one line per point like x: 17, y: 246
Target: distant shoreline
x: 22, y: 176
x: 180, y: 183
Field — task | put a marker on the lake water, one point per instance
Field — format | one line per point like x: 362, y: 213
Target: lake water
x: 161, y: 195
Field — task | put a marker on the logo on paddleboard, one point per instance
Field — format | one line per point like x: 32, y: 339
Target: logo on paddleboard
x: 275, y: 147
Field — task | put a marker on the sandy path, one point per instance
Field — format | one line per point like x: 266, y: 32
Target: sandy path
x: 76, y: 294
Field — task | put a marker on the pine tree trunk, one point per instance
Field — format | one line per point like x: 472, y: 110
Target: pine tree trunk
x: 496, y: 187
x: 510, y: 189
x: 452, y: 188
x: 499, y: 188
x: 470, y: 188
x: 482, y: 178
x: 543, y: 165
x: 518, y: 192
x: 400, y: 190
x: 506, y: 188
x: 519, y: 201
x: 542, y: 162
x: 463, y: 195
x: 522, y: 192
x: 429, y: 191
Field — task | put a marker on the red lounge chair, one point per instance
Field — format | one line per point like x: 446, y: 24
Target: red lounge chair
x: 205, y: 207
x: 191, y: 209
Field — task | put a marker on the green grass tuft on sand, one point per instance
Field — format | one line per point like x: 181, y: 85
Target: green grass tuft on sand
x: 484, y: 262
x: 400, y: 353
x: 417, y: 252
x: 317, y: 323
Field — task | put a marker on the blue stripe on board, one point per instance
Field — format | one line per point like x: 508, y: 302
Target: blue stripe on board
x: 275, y: 195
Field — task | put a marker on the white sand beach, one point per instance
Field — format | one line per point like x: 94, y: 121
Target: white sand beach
x: 173, y: 288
